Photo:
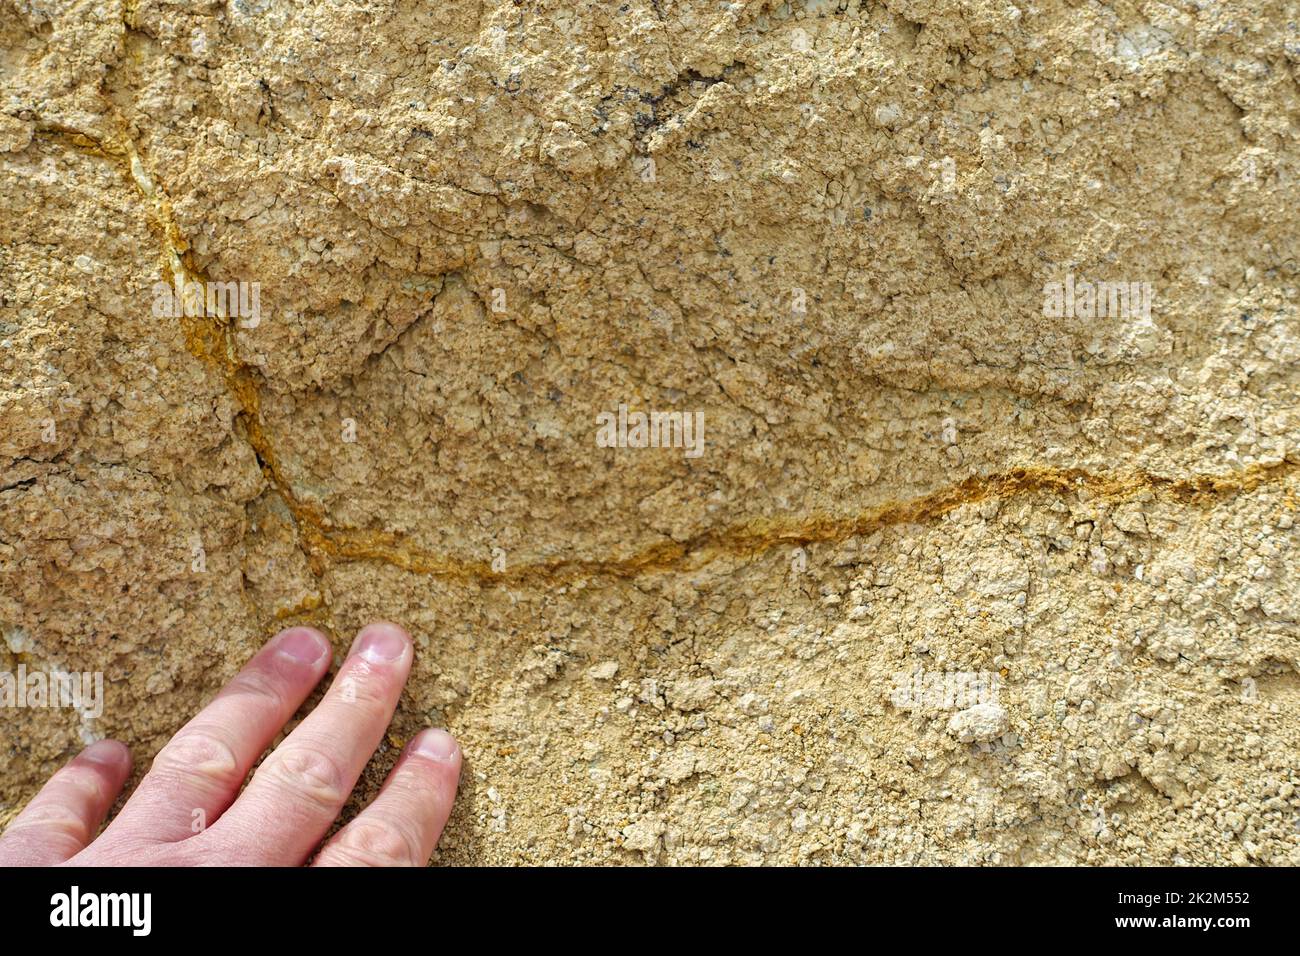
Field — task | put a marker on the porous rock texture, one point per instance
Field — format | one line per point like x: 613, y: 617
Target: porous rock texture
x: 826, y: 226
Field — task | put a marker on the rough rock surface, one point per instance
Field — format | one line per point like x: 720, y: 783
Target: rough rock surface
x: 829, y: 227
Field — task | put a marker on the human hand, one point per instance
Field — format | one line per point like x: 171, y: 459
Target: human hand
x: 188, y: 810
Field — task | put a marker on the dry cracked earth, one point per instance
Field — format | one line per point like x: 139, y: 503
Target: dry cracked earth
x: 837, y: 231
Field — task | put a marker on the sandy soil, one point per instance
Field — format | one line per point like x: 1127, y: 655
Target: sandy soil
x: 966, y: 570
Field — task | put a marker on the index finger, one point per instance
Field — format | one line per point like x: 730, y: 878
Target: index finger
x: 199, y: 772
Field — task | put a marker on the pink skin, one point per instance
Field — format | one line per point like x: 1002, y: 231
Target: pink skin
x: 293, y: 798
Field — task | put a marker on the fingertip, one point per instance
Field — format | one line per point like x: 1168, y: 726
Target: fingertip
x: 437, y: 745
x: 109, y: 761
x: 382, y: 642
x: 108, y: 753
x: 301, y: 644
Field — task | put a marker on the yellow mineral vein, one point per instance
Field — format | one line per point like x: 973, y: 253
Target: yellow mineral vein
x: 212, y: 339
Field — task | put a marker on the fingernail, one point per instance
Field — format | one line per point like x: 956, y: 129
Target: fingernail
x: 109, y: 752
x: 382, y: 643
x: 436, y: 745
x: 302, y: 644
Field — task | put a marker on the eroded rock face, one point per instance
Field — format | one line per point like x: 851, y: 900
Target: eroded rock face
x: 866, y: 244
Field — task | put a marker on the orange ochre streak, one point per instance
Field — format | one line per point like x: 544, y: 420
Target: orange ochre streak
x: 212, y: 339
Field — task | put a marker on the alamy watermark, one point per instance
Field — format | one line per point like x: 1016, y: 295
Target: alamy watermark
x: 237, y: 300
x: 36, y: 689
x: 624, y: 429
x: 74, y: 908
x: 946, y: 690
x: 1096, y: 300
